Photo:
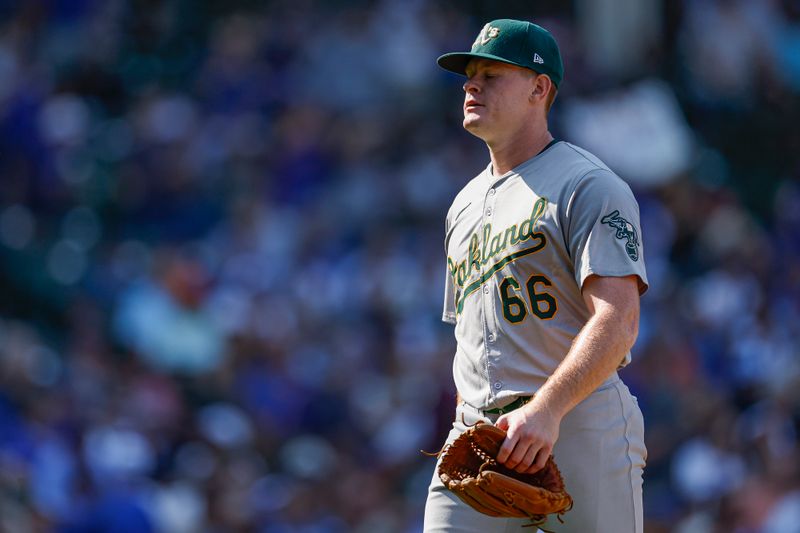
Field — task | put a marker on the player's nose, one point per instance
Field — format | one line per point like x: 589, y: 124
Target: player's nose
x: 470, y: 87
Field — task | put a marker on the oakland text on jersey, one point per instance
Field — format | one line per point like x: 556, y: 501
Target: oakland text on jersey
x: 479, y: 255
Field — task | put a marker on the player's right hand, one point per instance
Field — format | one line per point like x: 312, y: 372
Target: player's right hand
x: 532, y: 432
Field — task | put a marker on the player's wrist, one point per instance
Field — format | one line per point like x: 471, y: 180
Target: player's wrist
x: 547, y: 406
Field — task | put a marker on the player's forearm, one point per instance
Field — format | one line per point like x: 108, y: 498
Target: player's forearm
x: 594, y: 355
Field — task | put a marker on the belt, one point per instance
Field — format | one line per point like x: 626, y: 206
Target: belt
x: 516, y: 404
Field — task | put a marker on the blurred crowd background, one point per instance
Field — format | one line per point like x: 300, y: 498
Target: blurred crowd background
x: 222, y: 263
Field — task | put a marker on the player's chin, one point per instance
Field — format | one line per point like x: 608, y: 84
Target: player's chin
x: 472, y: 122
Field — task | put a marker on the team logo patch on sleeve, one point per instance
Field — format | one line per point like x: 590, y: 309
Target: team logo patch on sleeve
x: 625, y: 230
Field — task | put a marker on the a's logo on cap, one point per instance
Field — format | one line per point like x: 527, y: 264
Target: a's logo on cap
x: 487, y: 34
x: 538, y: 59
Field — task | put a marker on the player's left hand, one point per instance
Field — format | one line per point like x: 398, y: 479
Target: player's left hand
x: 532, y: 431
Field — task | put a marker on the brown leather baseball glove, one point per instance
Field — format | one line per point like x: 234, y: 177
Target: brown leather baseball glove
x: 469, y: 469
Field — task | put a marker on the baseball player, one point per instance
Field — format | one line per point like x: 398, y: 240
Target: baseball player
x: 545, y: 268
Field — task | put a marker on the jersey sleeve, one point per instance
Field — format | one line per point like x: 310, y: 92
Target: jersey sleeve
x: 603, y: 232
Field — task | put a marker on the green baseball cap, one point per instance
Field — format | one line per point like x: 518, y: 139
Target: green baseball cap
x: 517, y: 42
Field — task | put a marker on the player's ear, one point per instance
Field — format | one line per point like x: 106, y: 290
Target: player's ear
x: 541, y: 85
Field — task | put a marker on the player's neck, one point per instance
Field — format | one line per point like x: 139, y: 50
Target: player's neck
x: 516, y: 151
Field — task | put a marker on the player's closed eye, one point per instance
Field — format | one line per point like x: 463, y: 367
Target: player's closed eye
x: 486, y: 75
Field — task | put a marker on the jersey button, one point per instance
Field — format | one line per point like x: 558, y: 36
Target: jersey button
x: 491, y: 192
x: 498, y: 385
x: 486, y: 289
x: 491, y: 337
x: 488, y: 211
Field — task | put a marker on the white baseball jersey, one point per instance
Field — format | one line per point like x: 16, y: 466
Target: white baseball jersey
x: 519, y: 248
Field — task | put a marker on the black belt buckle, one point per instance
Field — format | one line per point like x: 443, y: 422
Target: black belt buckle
x: 516, y: 404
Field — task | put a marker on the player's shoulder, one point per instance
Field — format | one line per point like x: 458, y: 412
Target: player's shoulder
x: 577, y: 161
x: 582, y: 168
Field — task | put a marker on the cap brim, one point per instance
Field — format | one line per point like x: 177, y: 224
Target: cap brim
x: 457, y: 61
